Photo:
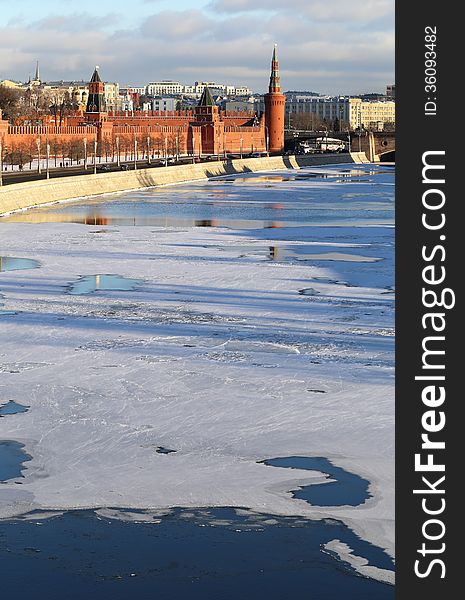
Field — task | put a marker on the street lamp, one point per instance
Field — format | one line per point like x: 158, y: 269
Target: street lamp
x: 326, y: 138
x: 267, y: 141
x: 48, y: 160
x: 193, y: 148
x: 135, y: 150
x: 85, y: 154
x: 1, y: 162
x: 95, y: 155
x: 148, y: 149
x: 166, y: 150
x: 117, y: 151
x: 38, y: 156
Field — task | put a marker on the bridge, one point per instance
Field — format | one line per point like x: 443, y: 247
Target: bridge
x: 377, y: 145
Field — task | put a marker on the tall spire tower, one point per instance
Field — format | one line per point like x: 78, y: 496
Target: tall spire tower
x: 275, y: 103
x: 96, y: 98
x: 37, y: 75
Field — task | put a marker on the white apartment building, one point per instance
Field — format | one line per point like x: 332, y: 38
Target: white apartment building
x: 112, y: 97
x: 352, y: 111
x: 324, y: 107
x: 164, y: 88
x: 174, y: 88
x: 221, y: 88
x: 161, y: 103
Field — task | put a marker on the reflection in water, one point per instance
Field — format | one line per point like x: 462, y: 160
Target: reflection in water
x: 96, y: 219
x: 299, y: 253
x: 207, y: 223
x: 301, y: 198
x: 10, y: 263
x: 299, y: 176
x: 91, y: 283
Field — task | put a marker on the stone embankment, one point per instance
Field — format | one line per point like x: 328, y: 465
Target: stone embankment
x: 24, y: 195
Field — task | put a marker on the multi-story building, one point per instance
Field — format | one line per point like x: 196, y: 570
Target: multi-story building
x: 163, y: 88
x: 391, y: 91
x: 112, y: 96
x: 220, y: 89
x: 376, y: 115
x: 174, y: 88
x: 8, y: 83
x: 350, y: 112
x: 162, y: 104
x: 232, y: 106
x: 325, y: 108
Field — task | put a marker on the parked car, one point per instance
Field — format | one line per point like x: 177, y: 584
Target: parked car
x: 103, y: 168
x: 124, y: 167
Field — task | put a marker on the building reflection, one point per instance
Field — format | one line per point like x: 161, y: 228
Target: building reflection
x: 207, y: 223
x: 96, y: 219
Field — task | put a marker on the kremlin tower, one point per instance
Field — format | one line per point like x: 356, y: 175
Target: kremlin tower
x: 96, y: 99
x: 275, y: 103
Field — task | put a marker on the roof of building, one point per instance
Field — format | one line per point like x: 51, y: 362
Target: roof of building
x: 96, y: 77
x: 206, y: 98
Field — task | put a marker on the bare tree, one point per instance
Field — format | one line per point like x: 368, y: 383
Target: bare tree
x: 305, y: 121
x: 75, y: 150
x: 17, y: 154
x: 11, y: 103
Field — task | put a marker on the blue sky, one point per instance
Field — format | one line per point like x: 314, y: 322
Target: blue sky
x: 328, y: 46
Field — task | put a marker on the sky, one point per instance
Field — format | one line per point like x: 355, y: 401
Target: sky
x: 325, y: 46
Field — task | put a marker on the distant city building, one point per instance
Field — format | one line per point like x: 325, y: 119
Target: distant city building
x: 175, y: 88
x: 163, y: 88
x: 8, y: 83
x: 377, y: 115
x: 162, y: 104
x: 391, y: 91
x: 35, y: 81
x: 326, y: 108
x: 352, y: 112
x: 237, y: 105
x: 112, y: 96
x: 220, y: 89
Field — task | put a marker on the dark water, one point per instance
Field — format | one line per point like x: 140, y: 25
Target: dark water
x: 11, y: 263
x: 211, y: 554
x: 12, y: 457
x: 12, y: 408
x: 163, y: 450
x: 91, y: 283
x: 348, y: 489
x: 289, y: 253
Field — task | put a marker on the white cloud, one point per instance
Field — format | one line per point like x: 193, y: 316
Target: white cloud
x: 317, y: 50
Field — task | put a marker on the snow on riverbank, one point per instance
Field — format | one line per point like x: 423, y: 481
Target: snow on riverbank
x: 216, y: 355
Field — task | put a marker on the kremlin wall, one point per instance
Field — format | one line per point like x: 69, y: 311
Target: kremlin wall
x: 204, y: 130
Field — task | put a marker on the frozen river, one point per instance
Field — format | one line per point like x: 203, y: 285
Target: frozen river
x: 170, y: 340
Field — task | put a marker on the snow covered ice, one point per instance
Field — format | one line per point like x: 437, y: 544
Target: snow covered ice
x: 217, y: 354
